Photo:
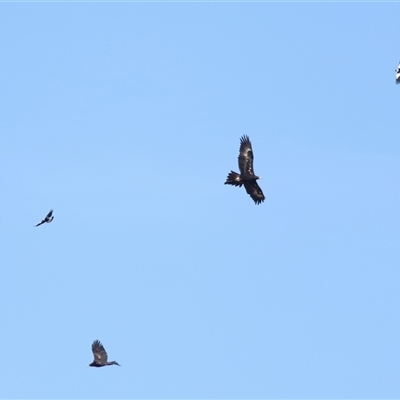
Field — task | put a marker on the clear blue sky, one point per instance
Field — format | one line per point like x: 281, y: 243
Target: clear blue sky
x: 125, y: 119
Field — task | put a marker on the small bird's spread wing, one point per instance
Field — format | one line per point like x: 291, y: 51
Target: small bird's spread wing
x: 41, y: 222
x: 245, y: 156
x: 99, y: 353
x: 254, y: 191
x: 49, y: 214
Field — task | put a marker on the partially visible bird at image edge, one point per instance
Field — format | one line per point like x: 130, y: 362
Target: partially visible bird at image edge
x: 247, y: 177
x: 48, y: 218
x: 398, y: 73
x: 100, y: 356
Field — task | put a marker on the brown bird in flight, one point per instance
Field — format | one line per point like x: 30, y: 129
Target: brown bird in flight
x: 247, y: 177
x: 100, y: 356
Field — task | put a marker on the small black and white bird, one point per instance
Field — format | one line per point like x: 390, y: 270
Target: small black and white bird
x: 48, y: 218
x: 100, y: 356
x: 398, y: 74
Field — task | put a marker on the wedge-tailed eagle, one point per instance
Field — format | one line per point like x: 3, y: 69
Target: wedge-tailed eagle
x: 100, y: 356
x: 246, y: 176
x: 48, y: 218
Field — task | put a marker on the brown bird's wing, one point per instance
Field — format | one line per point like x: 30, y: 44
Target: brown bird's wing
x: 99, y: 353
x: 254, y: 191
x: 245, y: 156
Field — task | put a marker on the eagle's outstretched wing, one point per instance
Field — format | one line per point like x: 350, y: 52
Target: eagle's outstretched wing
x: 99, y: 353
x: 245, y: 156
x: 254, y: 191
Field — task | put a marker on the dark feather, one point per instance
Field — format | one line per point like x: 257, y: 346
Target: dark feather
x: 254, y: 191
x: 100, y: 355
x: 245, y: 156
x: 233, y: 179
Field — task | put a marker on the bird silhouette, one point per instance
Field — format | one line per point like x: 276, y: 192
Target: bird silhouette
x: 48, y: 218
x: 100, y: 356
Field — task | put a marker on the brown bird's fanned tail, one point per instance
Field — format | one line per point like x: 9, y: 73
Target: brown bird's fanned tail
x: 234, y: 179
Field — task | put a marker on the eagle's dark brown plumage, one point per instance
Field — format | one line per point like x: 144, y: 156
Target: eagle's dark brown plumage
x: 246, y: 176
x: 100, y: 356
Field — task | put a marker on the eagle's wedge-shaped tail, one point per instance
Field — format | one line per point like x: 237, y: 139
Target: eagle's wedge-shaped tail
x: 233, y: 179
